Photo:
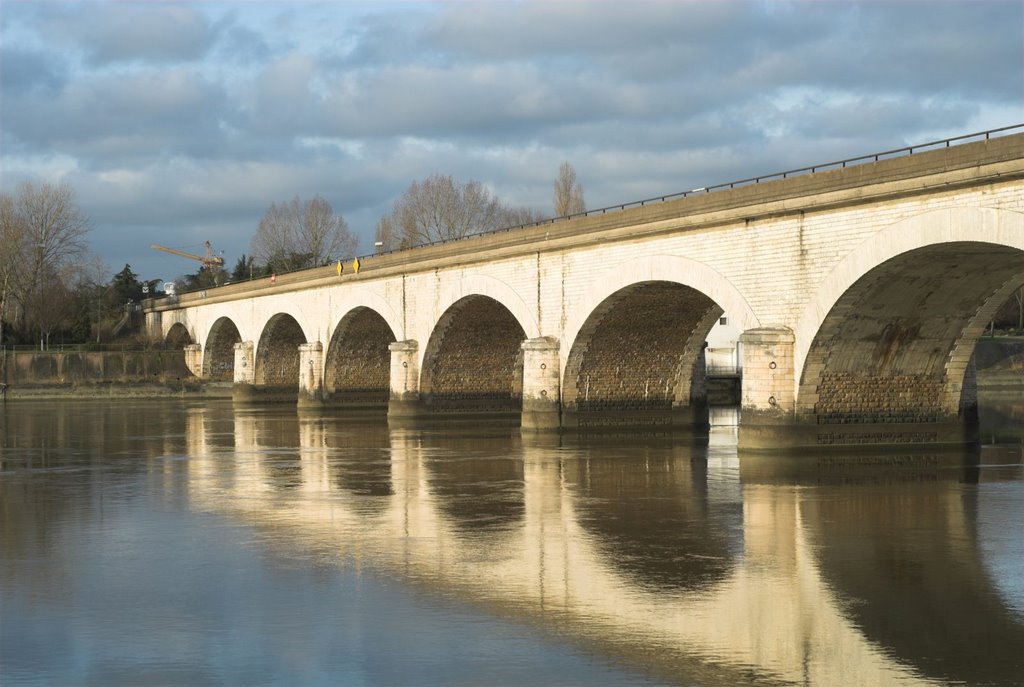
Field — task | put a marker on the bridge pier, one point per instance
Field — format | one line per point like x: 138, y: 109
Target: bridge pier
x: 154, y: 325
x: 767, y: 400
x: 311, y: 374
x: 404, y: 396
x: 770, y: 420
x: 194, y: 359
x: 244, y: 389
x: 541, y: 385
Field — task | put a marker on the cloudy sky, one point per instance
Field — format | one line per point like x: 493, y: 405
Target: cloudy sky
x: 180, y: 122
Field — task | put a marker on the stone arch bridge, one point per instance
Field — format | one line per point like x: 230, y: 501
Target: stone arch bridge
x: 860, y: 292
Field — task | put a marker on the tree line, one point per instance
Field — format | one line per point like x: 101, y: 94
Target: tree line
x: 299, y: 234
x: 54, y: 289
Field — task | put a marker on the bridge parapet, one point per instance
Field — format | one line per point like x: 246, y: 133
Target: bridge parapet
x: 861, y: 292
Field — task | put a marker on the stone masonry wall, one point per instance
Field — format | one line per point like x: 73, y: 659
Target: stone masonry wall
x: 764, y: 253
x: 219, y: 353
x: 478, y: 357
x: 277, y: 357
x: 633, y: 353
x: 30, y: 368
x: 847, y: 398
x: 358, y: 360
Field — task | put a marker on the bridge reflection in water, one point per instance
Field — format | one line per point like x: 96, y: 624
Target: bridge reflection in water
x: 674, y: 557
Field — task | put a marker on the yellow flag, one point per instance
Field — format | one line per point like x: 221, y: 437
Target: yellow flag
x: 340, y: 268
x: 355, y: 265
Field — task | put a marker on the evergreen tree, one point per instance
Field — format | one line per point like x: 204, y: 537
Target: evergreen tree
x: 127, y: 286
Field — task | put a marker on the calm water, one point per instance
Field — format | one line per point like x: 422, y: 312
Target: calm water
x: 162, y: 543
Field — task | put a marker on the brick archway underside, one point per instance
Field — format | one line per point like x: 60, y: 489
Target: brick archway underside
x: 474, y: 358
x: 219, y: 356
x: 639, y: 348
x: 178, y: 336
x: 895, y: 347
x: 358, y: 363
x: 277, y: 357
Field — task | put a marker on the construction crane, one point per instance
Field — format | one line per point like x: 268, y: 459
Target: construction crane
x: 209, y: 260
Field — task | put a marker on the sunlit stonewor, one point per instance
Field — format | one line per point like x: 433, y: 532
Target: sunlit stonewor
x: 858, y: 294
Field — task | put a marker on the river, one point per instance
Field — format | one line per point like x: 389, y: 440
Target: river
x: 170, y: 542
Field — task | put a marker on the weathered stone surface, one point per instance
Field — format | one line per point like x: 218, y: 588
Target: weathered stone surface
x: 884, y: 274
x: 277, y: 354
x: 357, y: 370
x: 218, y: 358
x: 474, y: 360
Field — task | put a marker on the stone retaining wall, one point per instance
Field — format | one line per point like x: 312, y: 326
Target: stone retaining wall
x: 55, y: 368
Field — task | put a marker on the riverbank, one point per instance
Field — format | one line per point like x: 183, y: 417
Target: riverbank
x: 190, y: 388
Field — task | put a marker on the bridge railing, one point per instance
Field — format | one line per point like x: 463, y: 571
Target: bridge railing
x: 824, y: 166
x: 821, y: 167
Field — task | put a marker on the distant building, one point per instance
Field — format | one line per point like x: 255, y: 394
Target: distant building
x: 722, y: 355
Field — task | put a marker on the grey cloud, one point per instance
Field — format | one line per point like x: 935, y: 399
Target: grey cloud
x: 108, y: 33
x: 242, y: 44
x: 109, y: 117
x: 645, y: 99
x: 917, y: 48
x: 24, y: 69
x: 579, y: 30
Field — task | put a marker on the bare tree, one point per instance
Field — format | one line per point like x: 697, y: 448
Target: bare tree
x: 297, y: 234
x: 274, y: 236
x: 384, y: 234
x: 568, y: 192
x: 54, y: 303
x: 515, y: 216
x: 439, y: 209
x: 94, y: 274
x: 323, y: 234
x: 55, y: 230
x: 13, y: 241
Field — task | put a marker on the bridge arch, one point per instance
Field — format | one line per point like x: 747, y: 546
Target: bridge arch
x: 659, y: 268
x: 474, y: 357
x: 638, y: 339
x: 903, y: 312
x: 219, y: 352
x: 637, y: 355
x: 178, y: 336
x: 363, y: 298
x: 358, y: 362
x: 277, y: 354
x: 467, y: 285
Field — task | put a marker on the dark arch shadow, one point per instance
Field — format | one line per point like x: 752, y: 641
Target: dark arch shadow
x: 648, y: 511
x: 905, y: 563
x: 178, y: 336
x: 358, y: 363
x: 219, y: 356
x: 895, y: 348
x: 473, y: 362
x: 476, y: 479
x: 277, y: 355
x: 638, y: 359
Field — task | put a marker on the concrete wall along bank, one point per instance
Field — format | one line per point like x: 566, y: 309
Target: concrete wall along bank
x: 56, y: 368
